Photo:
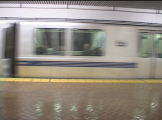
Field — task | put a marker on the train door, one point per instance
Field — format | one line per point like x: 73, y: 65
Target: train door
x: 158, y: 54
x: 150, y: 54
x: 9, y: 51
x: 144, y: 54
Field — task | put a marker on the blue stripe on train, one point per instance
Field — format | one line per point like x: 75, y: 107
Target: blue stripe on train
x: 77, y: 64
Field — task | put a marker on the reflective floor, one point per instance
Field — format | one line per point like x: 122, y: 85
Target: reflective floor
x: 80, y: 101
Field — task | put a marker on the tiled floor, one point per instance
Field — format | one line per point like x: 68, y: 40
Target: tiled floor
x: 80, y: 101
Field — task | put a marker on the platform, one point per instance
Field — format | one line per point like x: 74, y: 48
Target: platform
x: 82, y: 80
x: 80, y: 99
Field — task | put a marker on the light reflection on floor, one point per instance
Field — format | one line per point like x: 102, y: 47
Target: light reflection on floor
x: 80, y: 101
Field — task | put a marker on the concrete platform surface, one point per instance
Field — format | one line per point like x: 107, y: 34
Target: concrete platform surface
x: 80, y: 101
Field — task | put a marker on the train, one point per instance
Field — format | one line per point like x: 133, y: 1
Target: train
x: 68, y: 50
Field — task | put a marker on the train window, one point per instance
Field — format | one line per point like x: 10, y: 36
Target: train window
x: 9, y: 45
x: 144, y: 45
x: 158, y: 42
x: 49, y: 41
x: 88, y: 42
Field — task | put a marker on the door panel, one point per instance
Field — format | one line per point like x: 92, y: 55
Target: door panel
x: 144, y: 54
x: 9, y: 51
x: 158, y: 54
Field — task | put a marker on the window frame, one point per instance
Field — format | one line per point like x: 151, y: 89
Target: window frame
x: 72, y: 42
x: 50, y: 55
x: 139, y: 44
x: 156, y: 54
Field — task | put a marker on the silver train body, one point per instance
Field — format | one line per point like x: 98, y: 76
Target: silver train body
x: 82, y: 50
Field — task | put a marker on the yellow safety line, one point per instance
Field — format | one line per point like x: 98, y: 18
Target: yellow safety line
x: 81, y: 80
x: 72, y: 80
x: 55, y: 80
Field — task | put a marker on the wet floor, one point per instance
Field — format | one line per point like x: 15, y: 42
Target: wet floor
x: 80, y: 101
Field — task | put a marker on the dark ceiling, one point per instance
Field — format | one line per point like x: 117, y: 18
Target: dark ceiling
x: 126, y: 4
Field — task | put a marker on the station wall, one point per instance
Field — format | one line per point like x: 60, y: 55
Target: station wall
x: 80, y: 12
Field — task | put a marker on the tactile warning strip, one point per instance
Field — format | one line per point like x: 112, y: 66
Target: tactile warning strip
x: 81, y: 80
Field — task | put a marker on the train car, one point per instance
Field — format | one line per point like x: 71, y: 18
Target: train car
x: 87, y: 50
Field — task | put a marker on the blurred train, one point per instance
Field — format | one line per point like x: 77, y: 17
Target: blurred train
x: 80, y: 50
